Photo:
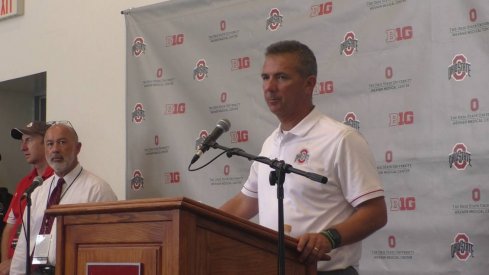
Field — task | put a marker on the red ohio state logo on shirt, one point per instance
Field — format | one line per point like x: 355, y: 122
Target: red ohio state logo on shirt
x: 302, y: 157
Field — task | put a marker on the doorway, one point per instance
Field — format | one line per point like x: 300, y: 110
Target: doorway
x: 22, y: 100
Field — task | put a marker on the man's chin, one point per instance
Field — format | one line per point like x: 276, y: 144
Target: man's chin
x: 57, y: 167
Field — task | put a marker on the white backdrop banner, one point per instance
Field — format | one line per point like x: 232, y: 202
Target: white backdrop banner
x: 410, y: 75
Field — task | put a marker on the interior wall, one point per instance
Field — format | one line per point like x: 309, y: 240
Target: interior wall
x: 81, y: 45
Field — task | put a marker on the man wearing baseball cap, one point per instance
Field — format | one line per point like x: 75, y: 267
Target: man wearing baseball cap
x: 31, y: 139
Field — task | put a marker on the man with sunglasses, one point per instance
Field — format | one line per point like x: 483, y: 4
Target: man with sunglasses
x: 31, y: 139
x: 71, y: 184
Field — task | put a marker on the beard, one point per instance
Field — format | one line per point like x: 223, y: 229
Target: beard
x: 61, y: 165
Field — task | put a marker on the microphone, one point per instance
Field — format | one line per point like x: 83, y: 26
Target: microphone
x: 222, y: 126
x: 35, y: 183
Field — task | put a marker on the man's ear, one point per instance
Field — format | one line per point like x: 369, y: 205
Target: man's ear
x: 310, y: 83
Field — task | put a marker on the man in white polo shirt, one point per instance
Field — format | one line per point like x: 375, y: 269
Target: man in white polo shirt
x: 330, y: 220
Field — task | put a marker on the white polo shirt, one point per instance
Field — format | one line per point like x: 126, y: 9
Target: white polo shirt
x: 327, y: 147
x: 81, y: 186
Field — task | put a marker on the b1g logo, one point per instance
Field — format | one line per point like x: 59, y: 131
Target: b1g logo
x: 460, y: 157
x: 351, y: 120
x: 321, y: 9
x: 172, y: 177
x: 401, y: 118
x: 459, y: 68
x: 240, y: 63
x: 403, y: 204
x: 324, y: 87
x: 461, y: 247
x: 137, y: 181
x: 201, y: 70
x: 302, y: 156
x: 138, y: 46
x: 175, y: 109
x: 399, y: 34
x: 274, y: 21
x: 138, y: 113
x: 174, y: 40
x: 349, y: 44
x: 239, y: 136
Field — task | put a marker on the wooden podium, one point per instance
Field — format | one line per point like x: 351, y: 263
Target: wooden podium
x: 176, y: 236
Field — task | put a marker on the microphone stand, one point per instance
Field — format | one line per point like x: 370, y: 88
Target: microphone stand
x: 28, y: 235
x: 277, y: 176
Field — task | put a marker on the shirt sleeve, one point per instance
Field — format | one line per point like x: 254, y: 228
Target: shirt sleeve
x: 17, y: 267
x: 250, y: 187
x: 10, y: 217
x: 357, y: 170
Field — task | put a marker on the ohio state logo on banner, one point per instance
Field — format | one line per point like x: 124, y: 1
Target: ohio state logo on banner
x: 351, y: 120
x: 274, y: 21
x: 138, y: 46
x: 349, y: 44
x: 460, y: 157
x: 137, y: 181
x: 462, y: 248
x: 201, y: 70
x: 459, y: 68
x: 138, y: 113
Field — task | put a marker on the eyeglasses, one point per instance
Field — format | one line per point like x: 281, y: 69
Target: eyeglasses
x: 62, y: 122
x: 65, y: 123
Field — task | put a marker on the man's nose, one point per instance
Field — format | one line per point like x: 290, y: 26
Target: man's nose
x: 269, y: 85
x: 54, y: 147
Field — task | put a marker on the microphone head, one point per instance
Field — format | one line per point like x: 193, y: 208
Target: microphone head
x: 224, y: 124
x: 38, y: 180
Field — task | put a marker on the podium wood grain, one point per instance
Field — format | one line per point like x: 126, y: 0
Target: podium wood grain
x: 174, y: 236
